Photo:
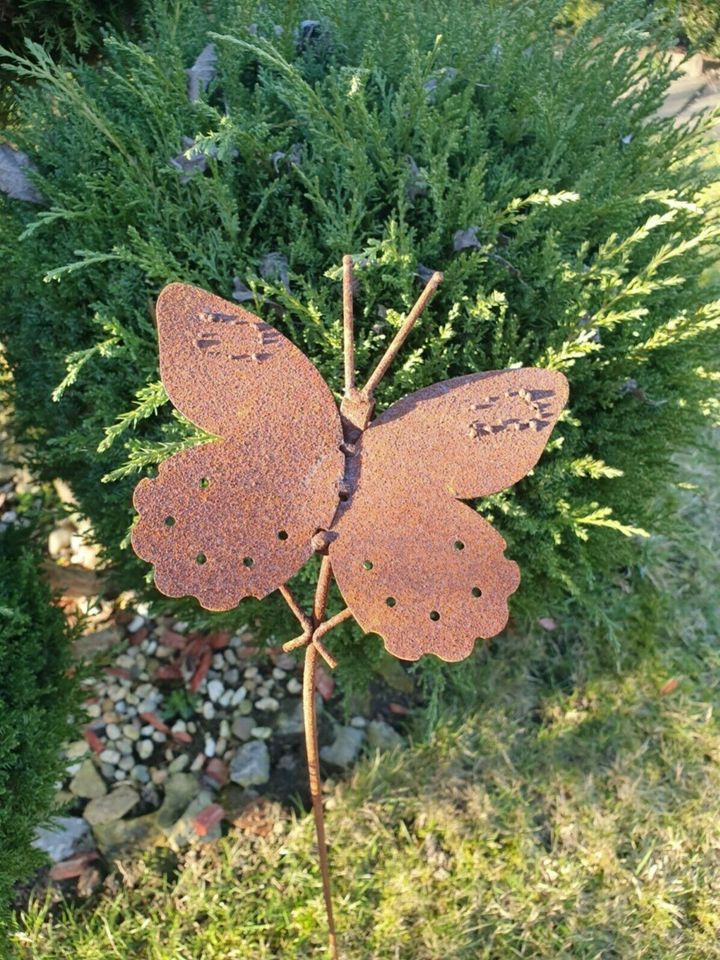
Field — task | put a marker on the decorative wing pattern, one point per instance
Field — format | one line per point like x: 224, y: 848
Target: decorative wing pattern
x: 235, y: 517
x: 413, y: 564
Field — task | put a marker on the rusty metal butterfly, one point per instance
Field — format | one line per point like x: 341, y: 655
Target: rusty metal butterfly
x: 380, y: 499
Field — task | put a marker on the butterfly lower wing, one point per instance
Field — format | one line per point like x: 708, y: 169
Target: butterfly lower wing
x: 425, y: 587
x: 222, y: 522
x: 414, y: 564
x: 234, y: 518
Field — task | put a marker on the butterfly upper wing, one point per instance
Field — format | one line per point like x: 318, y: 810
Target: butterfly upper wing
x: 418, y: 567
x: 235, y: 517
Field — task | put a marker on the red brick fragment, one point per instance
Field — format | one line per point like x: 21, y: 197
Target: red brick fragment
x: 73, y: 866
x: 93, y: 740
x: 170, y: 638
x: 324, y: 683
x: 181, y: 736
x: 168, y: 671
x: 217, y: 771
x: 398, y: 709
x: 137, y: 638
x: 219, y: 640
x: 201, y: 671
x: 209, y: 817
x: 155, y: 721
x: 121, y: 672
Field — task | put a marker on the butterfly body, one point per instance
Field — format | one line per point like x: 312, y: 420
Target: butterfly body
x: 291, y: 473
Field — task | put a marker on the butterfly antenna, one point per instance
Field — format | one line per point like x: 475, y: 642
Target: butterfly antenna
x: 348, y: 326
x: 402, y: 335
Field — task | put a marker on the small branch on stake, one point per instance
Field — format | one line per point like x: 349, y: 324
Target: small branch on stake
x: 401, y: 336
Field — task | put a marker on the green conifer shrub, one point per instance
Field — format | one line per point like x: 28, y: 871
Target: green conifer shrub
x: 39, y: 706
x: 459, y: 136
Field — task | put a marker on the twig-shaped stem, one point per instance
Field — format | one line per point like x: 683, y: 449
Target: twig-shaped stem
x: 401, y: 336
x: 311, y: 747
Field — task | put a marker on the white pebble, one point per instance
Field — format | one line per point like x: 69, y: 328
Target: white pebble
x: 251, y: 672
x: 208, y: 710
x: 218, y: 661
x: 120, y: 774
x: 215, y: 690
x: 144, y: 749
x: 198, y: 763
x: 135, y: 624
x: 224, y: 728
x: 226, y: 698
x: 147, y: 730
x: 126, y: 661
x: 191, y: 727
x: 269, y: 704
x: 179, y: 726
x: 358, y: 722
x: 238, y: 696
x: 209, y: 747
x: 261, y: 733
x: 159, y: 737
x: 112, y: 731
x: 231, y: 657
x: 294, y: 686
x: 279, y: 673
x: 140, y: 773
x: 180, y: 626
x: 124, y: 746
x: 220, y: 746
x: 127, y: 763
x: 93, y: 710
x: 131, y: 731
x: 110, y: 756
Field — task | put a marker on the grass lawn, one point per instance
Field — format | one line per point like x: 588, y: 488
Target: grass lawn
x: 573, y: 813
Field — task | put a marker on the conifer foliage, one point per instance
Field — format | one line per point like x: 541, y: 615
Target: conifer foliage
x: 246, y: 148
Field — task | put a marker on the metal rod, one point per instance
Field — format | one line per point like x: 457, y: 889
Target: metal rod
x: 312, y: 751
x: 305, y: 621
x: 348, y: 325
x: 402, y: 334
x: 330, y: 624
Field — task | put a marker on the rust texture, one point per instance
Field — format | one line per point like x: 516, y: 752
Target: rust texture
x: 235, y: 517
x: 381, y: 500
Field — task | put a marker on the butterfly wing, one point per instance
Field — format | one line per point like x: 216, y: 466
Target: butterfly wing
x: 414, y: 565
x: 234, y: 518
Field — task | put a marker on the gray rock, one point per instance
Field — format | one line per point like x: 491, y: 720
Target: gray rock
x: 290, y: 719
x: 268, y: 704
x: 77, y: 749
x: 119, y: 835
x: 250, y: 767
x: 179, y: 763
x: 144, y: 749
x: 242, y: 727
x: 343, y: 752
x: 183, y: 831
x: 110, y: 756
x: 87, y: 782
x: 62, y: 837
x: 140, y: 773
x: 113, y: 806
x: 180, y: 790
x: 381, y: 736
x: 215, y: 690
x: 261, y: 733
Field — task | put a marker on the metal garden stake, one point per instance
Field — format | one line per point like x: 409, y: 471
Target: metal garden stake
x: 379, y: 499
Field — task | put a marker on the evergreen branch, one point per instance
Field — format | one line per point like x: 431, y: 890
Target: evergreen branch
x: 149, y: 400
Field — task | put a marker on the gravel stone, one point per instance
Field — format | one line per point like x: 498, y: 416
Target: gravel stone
x: 251, y: 764
x: 343, y: 752
x: 261, y: 733
x: 130, y: 731
x: 215, y: 690
x: 208, y: 710
x: 268, y: 704
x: 209, y: 749
x: 110, y: 756
x: 113, y: 805
x: 238, y: 696
x: 242, y: 727
x: 294, y: 686
x: 144, y: 749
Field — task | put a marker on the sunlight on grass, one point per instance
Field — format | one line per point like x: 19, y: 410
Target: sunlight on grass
x: 573, y: 815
